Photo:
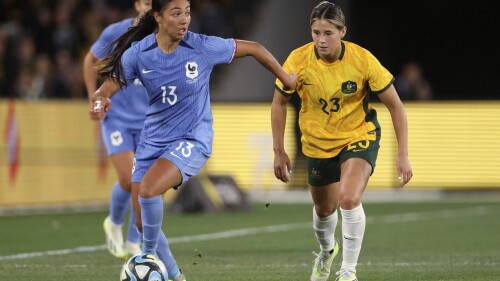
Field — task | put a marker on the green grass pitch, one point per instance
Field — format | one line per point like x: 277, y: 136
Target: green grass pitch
x: 410, y: 241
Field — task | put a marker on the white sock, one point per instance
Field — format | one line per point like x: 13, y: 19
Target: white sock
x: 353, y: 229
x: 324, y: 229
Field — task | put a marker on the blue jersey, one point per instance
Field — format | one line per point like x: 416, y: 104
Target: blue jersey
x: 129, y: 104
x: 178, y: 86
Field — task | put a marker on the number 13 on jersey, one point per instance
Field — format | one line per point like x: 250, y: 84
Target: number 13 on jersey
x: 171, y: 98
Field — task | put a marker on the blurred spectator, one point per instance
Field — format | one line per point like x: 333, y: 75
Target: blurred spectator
x: 411, y: 84
x: 43, y: 42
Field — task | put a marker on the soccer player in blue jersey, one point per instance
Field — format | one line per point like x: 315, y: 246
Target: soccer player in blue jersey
x: 174, y: 65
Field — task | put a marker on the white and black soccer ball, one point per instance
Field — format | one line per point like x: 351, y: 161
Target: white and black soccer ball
x: 144, y: 267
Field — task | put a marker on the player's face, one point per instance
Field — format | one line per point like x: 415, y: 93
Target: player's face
x: 326, y: 37
x: 142, y: 6
x: 175, y: 18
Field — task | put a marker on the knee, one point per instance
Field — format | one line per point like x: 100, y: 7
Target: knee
x: 350, y: 201
x: 126, y: 184
x: 145, y: 191
x: 325, y: 211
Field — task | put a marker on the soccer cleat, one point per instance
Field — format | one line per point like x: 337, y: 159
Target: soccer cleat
x: 179, y: 277
x: 114, y: 238
x: 323, y: 263
x: 346, y: 275
x: 133, y: 248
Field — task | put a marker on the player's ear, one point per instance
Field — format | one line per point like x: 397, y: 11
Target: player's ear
x: 343, y: 32
x: 157, y: 17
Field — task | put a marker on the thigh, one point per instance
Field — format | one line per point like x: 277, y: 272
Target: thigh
x: 325, y: 198
x: 159, y: 178
x: 324, y: 177
x: 357, y: 164
x: 123, y: 163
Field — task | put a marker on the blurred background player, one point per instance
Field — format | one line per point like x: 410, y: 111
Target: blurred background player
x: 340, y: 133
x: 120, y: 129
x: 174, y: 65
x: 411, y: 83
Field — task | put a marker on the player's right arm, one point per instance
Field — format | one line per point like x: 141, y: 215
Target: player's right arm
x: 101, y: 98
x: 90, y: 79
x: 282, y: 165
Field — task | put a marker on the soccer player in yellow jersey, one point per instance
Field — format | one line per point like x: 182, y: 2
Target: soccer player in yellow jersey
x: 340, y: 132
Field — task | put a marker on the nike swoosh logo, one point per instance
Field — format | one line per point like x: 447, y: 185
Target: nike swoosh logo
x: 307, y: 84
x: 144, y: 71
x: 358, y: 150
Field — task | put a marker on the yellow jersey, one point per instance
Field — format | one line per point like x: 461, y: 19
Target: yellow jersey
x: 335, y: 107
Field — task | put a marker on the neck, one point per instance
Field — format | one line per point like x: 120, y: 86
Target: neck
x: 166, y: 43
x: 332, y: 57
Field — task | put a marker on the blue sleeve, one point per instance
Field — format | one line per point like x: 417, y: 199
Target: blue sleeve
x: 129, y: 64
x: 99, y: 47
x: 219, y: 50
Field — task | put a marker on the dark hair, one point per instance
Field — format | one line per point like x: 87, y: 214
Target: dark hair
x: 111, y: 66
x: 330, y: 12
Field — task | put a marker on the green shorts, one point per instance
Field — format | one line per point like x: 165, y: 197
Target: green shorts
x: 324, y: 171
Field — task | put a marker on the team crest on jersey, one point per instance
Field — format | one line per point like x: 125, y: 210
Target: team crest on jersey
x: 116, y: 138
x: 191, y: 69
x: 349, y: 87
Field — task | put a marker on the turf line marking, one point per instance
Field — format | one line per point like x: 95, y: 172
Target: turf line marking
x: 396, y: 218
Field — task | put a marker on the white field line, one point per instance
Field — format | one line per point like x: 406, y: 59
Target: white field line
x: 394, y: 218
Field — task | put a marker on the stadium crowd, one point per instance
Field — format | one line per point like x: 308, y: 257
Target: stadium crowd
x: 43, y: 42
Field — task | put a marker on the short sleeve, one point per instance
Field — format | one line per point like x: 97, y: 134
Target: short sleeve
x: 379, y: 78
x: 100, y: 47
x: 129, y: 64
x: 219, y: 50
x: 289, y: 67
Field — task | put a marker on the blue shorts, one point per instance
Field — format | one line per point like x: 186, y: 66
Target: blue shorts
x: 186, y: 154
x: 118, y: 138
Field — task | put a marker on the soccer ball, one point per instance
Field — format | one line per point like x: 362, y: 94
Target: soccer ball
x: 144, y: 267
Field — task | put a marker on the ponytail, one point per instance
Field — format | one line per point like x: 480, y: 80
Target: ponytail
x: 111, y: 66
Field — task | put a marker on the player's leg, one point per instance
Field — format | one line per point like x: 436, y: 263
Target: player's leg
x: 160, y: 177
x: 120, y: 146
x: 323, y: 177
x: 357, y: 164
x: 120, y: 200
x: 163, y: 249
x: 355, y: 174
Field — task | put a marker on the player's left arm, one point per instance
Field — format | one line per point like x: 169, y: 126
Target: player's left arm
x: 392, y: 101
x: 266, y: 59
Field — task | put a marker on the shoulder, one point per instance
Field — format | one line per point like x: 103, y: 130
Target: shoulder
x: 118, y: 28
x: 145, y: 44
x: 301, y: 56
x: 356, y: 50
x: 303, y: 51
x: 199, y: 41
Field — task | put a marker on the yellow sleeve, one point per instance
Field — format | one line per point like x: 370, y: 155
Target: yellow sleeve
x: 289, y: 67
x: 379, y: 78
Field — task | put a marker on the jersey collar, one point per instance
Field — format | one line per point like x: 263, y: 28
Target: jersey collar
x: 341, y: 52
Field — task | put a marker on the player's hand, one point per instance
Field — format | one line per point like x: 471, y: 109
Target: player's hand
x: 282, y: 166
x: 96, y: 115
x: 291, y: 82
x: 101, y: 105
x: 405, y: 172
